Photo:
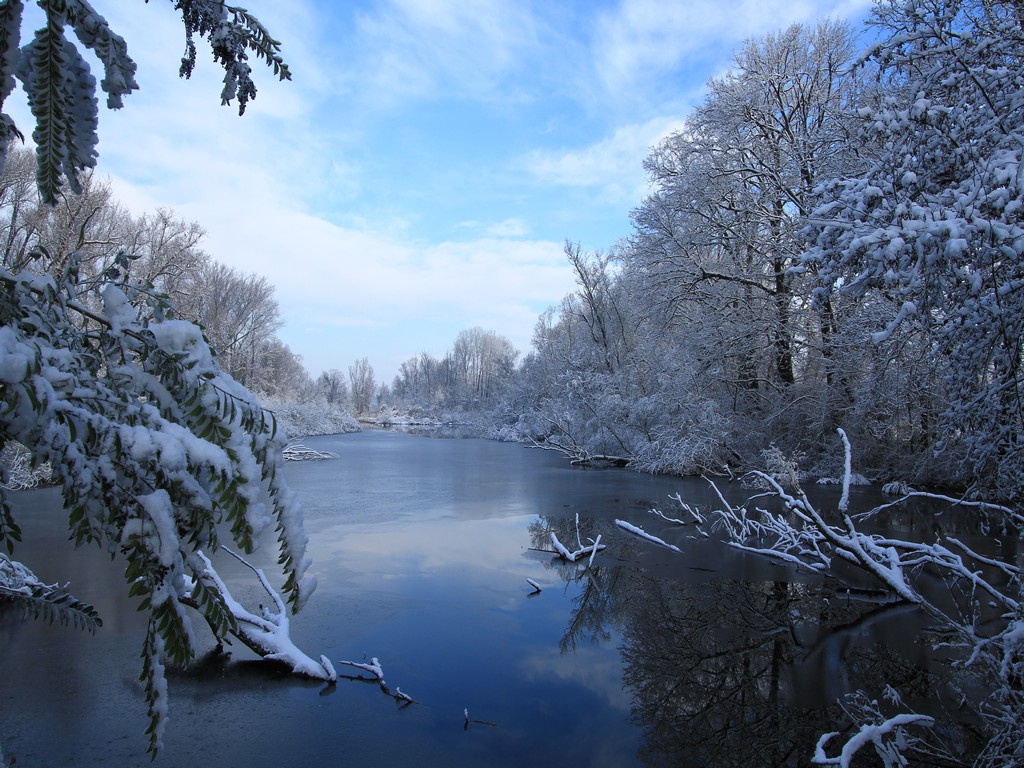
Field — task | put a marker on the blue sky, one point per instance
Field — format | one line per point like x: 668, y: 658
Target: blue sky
x: 423, y: 169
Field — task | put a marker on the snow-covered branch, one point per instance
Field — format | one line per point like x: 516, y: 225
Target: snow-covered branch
x: 582, y: 550
x: 299, y: 452
x: 886, y: 737
x: 377, y: 672
x: 576, y: 554
x: 805, y: 536
x: 267, y: 634
x: 696, y: 517
x: 644, y: 535
x: 811, y: 541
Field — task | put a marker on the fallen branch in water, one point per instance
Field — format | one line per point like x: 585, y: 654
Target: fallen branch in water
x: 886, y: 737
x: 645, y: 535
x: 375, y: 669
x: 591, y: 549
x: 578, y: 455
x: 268, y: 634
x: 299, y: 452
x: 977, y: 583
x: 572, y: 557
x: 693, y: 512
x: 465, y: 714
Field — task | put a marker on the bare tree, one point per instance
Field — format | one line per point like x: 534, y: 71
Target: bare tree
x: 333, y: 387
x: 239, y: 314
x: 363, y: 385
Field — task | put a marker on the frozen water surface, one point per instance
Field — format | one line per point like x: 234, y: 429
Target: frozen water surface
x: 423, y: 548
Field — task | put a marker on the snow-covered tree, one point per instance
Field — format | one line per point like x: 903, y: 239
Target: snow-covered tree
x: 932, y: 227
x: 158, y: 452
x: 732, y: 187
x: 481, y: 362
x: 363, y: 384
x: 332, y: 386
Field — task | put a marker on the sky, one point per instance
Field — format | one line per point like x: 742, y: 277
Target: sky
x: 423, y: 169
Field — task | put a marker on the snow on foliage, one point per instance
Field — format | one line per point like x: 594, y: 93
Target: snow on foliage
x: 61, y: 90
x: 157, y: 451
x: 17, y: 472
x: 933, y: 224
x: 18, y: 585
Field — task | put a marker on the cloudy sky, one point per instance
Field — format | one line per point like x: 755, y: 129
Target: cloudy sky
x: 422, y: 170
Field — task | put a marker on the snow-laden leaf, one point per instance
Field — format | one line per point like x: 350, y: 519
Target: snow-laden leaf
x: 112, y: 51
x: 10, y: 39
x: 49, y: 602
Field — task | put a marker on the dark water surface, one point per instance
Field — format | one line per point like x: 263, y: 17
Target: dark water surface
x: 423, y: 548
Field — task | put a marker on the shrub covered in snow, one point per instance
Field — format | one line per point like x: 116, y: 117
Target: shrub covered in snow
x: 309, y: 419
x: 19, y: 473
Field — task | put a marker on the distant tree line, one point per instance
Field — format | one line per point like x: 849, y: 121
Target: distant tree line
x: 237, y: 310
x: 472, y: 376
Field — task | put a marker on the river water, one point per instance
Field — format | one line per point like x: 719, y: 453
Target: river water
x: 423, y: 548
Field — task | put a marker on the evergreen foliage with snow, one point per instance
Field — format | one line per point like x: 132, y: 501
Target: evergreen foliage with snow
x: 158, y: 451
x: 61, y: 89
x: 18, y: 585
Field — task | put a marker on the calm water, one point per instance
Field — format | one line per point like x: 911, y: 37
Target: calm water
x: 423, y: 548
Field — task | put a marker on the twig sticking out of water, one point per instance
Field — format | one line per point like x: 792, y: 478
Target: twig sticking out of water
x: 465, y: 714
x: 375, y: 669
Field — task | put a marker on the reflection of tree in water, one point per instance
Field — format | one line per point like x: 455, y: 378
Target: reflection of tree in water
x: 733, y: 673
x: 730, y: 673
x: 596, y: 610
x: 593, y: 608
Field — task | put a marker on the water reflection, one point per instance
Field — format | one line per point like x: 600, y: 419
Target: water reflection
x: 728, y: 671
x: 720, y: 672
x: 423, y: 547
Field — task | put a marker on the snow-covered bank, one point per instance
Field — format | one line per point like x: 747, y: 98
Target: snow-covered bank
x: 311, y: 419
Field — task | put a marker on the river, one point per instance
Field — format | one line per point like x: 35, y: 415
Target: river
x: 423, y: 548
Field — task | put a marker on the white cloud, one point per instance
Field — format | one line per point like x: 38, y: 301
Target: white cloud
x: 419, y: 49
x: 351, y: 282
x: 509, y: 228
x: 613, y: 165
x: 639, y: 41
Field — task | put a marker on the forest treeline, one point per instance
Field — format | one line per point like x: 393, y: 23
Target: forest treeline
x: 237, y: 310
x: 833, y: 240
x: 163, y: 254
